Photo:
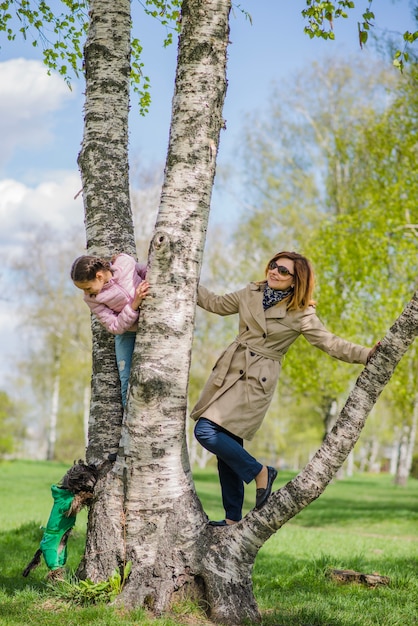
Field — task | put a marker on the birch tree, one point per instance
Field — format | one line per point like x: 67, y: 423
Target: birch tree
x: 12, y: 428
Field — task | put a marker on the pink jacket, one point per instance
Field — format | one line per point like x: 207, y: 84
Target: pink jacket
x: 112, y: 306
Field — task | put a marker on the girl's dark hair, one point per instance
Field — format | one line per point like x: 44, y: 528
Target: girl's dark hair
x: 85, y: 268
x: 304, y: 280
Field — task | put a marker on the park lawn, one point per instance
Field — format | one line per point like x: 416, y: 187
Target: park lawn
x: 363, y: 523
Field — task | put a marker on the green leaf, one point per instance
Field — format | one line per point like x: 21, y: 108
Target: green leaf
x: 127, y: 570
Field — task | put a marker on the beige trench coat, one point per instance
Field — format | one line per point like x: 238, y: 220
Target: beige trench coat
x: 241, y: 385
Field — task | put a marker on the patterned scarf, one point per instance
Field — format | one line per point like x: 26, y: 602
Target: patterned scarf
x: 273, y: 296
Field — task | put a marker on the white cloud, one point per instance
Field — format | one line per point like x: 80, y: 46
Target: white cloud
x: 23, y: 211
x: 50, y: 202
x: 28, y: 97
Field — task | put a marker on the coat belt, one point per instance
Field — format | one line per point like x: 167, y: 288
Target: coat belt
x: 230, y: 351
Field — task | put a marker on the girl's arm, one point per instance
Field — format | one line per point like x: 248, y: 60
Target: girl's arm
x: 115, y: 323
x: 118, y: 323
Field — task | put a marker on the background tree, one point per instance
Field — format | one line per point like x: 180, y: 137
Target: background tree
x: 57, y: 362
x: 375, y: 229
x: 11, y: 427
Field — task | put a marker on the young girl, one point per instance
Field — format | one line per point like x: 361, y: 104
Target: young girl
x: 114, y: 292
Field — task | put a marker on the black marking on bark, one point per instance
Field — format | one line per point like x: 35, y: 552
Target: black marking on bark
x: 155, y: 388
x: 157, y: 453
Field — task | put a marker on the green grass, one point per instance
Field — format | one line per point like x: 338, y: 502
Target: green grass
x: 364, y: 523
x: 25, y: 491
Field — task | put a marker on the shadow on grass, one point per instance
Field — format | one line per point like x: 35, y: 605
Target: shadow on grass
x: 16, y: 551
x: 362, y: 501
x: 341, y: 512
x: 300, y: 592
x: 359, y: 500
x: 287, y: 572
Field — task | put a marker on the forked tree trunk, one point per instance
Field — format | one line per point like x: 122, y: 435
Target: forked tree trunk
x: 148, y: 499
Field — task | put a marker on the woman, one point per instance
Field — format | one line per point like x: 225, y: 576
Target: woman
x: 272, y: 315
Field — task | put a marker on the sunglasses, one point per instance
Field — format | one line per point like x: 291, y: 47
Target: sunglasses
x: 282, y: 270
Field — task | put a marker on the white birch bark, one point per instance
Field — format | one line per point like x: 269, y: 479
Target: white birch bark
x: 103, y: 162
x: 86, y: 414
x: 198, y: 456
x: 402, y: 467
x: 331, y: 414
x: 373, y: 463
x: 412, y: 435
x: 405, y: 448
x: 394, y: 451
x: 350, y: 465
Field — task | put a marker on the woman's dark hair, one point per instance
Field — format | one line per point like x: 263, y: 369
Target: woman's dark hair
x: 85, y: 268
x: 304, y: 280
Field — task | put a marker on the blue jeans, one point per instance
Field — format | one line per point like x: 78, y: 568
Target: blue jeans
x: 124, y: 348
x: 235, y: 465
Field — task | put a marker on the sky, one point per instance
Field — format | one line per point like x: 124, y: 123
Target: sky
x: 41, y: 120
